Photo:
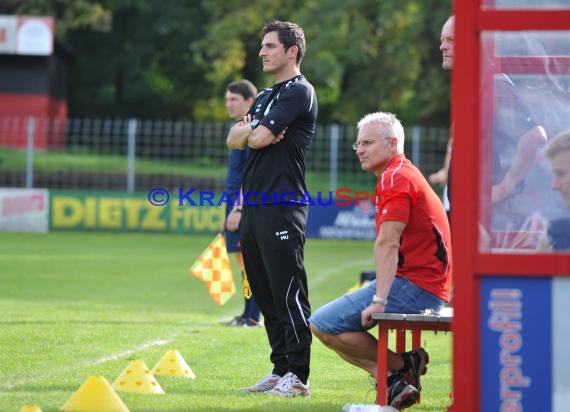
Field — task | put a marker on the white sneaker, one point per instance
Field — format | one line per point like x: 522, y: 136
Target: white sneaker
x: 290, y: 385
x: 264, y: 384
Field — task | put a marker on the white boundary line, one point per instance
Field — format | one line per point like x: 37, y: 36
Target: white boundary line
x: 118, y: 355
x: 158, y: 342
x: 322, y: 277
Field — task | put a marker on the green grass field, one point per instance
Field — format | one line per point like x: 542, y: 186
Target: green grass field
x: 78, y: 304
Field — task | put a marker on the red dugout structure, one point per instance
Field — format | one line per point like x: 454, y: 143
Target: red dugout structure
x: 511, y: 298
x: 32, y: 81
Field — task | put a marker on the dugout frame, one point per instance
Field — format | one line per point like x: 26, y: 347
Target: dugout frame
x: 474, y: 267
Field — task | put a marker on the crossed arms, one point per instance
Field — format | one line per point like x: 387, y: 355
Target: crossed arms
x: 241, y: 135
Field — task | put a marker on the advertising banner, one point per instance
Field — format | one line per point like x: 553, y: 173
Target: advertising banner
x: 162, y: 212
x: 335, y: 221
x: 111, y: 211
x: 26, y: 35
x: 524, y: 340
x: 24, y: 210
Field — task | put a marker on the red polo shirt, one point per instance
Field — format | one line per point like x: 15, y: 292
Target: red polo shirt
x: 424, y: 258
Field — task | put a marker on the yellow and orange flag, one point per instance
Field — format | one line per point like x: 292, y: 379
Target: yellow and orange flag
x: 213, y: 267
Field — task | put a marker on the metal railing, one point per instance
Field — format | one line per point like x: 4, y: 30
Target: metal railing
x: 133, y: 155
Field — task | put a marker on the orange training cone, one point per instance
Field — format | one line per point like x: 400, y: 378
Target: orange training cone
x: 95, y: 395
x: 137, y: 378
x: 173, y: 364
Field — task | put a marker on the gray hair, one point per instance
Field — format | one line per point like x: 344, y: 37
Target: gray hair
x: 388, y: 126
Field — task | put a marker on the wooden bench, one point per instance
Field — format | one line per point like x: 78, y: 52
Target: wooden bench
x: 401, y: 322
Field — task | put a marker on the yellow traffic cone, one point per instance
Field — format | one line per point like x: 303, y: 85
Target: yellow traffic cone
x: 30, y: 408
x: 173, y: 364
x: 137, y: 378
x: 95, y: 395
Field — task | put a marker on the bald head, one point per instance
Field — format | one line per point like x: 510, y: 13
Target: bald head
x: 447, y: 41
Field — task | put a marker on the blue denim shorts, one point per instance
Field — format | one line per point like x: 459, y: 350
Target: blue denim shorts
x: 343, y: 314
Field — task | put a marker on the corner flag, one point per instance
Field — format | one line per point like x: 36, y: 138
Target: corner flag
x: 213, y: 267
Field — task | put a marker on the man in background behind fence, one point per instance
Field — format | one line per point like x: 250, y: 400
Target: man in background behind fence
x: 239, y: 97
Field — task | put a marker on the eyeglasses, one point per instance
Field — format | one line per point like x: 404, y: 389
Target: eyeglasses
x: 366, y: 143
x: 363, y: 143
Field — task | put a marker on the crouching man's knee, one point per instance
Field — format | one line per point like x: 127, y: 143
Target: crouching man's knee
x: 324, y: 337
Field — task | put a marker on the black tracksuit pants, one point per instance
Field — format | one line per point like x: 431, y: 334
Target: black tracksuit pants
x: 272, y: 242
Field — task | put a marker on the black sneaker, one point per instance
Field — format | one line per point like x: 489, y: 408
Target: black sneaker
x: 417, y: 359
x: 401, y: 394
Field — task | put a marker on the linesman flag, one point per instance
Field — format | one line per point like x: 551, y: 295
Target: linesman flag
x: 213, y: 267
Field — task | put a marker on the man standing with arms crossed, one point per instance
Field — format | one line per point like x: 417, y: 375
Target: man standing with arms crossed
x: 279, y: 127
x: 239, y: 98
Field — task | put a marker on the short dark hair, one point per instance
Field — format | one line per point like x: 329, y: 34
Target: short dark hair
x: 243, y: 87
x: 289, y: 34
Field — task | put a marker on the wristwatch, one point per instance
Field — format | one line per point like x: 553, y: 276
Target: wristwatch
x: 379, y: 301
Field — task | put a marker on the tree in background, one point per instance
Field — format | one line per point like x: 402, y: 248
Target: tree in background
x: 149, y: 59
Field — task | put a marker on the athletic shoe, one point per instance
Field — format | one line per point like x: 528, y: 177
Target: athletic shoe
x: 248, y: 323
x: 235, y: 321
x: 417, y: 359
x: 290, y: 385
x: 400, y: 393
x: 264, y: 384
